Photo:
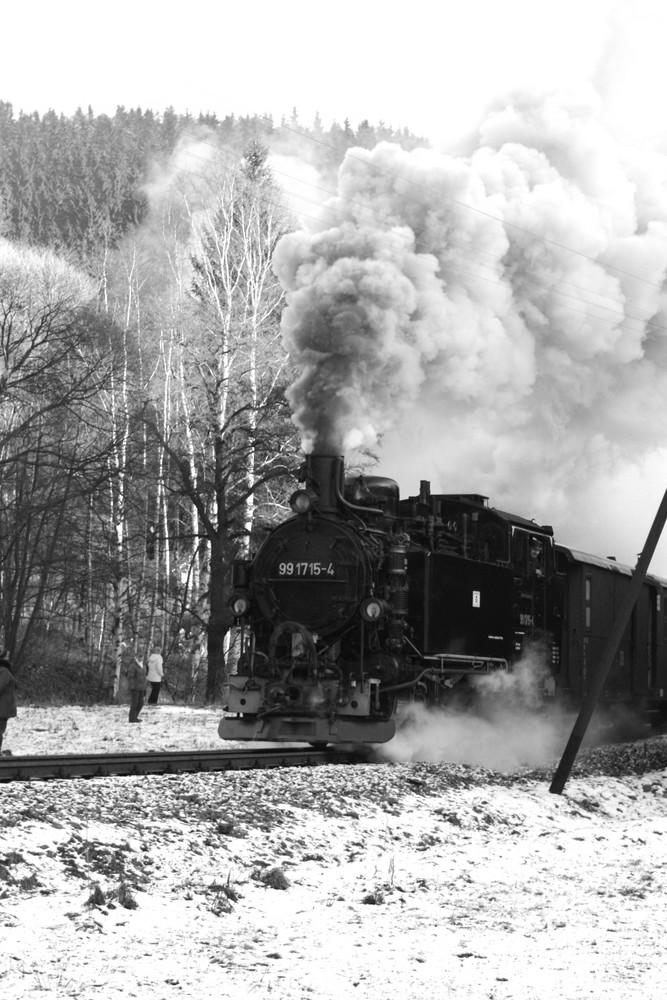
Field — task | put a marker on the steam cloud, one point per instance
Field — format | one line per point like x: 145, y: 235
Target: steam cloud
x: 504, y: 730
x: 504, y: 742
x: 502, y: 310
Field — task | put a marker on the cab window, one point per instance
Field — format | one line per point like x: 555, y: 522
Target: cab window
x: 529, y: 553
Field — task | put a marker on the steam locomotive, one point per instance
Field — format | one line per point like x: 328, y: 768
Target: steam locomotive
x: 362, y: 598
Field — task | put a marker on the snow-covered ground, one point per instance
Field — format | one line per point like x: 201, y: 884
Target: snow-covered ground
x: 399, y: 880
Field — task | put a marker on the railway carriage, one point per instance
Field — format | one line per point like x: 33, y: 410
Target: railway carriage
x: 594, y: 589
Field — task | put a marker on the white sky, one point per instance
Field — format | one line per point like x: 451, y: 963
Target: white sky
x: 428, y: 65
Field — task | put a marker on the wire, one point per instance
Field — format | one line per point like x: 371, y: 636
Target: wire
x: 424, y: 247
x: 383, y: 221
x: 479, y: 211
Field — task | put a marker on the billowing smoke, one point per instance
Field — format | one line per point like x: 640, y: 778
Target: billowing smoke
x: 360, y: 324
x: 496, y: 320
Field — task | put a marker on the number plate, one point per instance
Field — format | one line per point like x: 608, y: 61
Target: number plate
x: 305, y: 570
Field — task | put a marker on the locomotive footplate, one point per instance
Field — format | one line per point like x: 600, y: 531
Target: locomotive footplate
x: 293, y: 729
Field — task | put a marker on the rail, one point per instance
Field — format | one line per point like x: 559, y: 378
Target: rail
x: 66, y: 766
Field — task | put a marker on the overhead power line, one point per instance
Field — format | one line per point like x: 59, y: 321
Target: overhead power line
x: 541, y: 279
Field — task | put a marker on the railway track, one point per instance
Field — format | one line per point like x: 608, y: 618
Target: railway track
x: 66, y: 766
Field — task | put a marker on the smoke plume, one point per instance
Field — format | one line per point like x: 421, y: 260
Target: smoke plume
x: 496, y: 320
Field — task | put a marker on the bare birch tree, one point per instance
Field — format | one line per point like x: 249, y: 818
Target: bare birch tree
x: 199, y: 307
x: 233, y: 435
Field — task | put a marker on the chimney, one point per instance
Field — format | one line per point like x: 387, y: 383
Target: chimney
x: 324, y: 474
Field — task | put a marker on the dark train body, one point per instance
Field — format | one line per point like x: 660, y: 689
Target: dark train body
x: 361, y: 599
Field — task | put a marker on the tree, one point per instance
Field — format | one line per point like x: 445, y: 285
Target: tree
x: 233, y: 437
x: 52, y: 441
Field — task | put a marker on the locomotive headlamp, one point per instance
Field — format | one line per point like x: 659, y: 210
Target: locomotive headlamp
x: 372, y: 609
x: 239, y: 605
x: 302, y: 501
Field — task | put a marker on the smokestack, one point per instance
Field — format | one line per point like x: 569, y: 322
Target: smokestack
x: 324, y: 474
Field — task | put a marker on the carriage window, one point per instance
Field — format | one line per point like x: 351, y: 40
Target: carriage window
x: 588, y: 600
x: 654, y: 611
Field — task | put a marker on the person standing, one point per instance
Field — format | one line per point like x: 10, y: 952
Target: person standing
x: 136, y: 682
x: 7, y: 697
x: 155, y: 674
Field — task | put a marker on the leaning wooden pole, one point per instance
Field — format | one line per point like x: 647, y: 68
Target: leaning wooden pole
x: 609, y: 652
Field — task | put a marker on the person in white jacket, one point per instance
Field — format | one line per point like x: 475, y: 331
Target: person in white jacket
x: 155, y: 674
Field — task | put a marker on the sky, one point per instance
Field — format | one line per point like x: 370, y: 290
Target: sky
x: 433, y: 68
x: 429, y: 66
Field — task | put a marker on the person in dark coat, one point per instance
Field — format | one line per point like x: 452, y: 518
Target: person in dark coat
x: 136, y: 682
x: 7, y: 696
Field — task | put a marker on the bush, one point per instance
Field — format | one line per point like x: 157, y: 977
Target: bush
x: 56, y: 669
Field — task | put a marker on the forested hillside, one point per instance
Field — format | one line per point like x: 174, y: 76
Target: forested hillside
x: 78, y: 183
x: 144, y: 436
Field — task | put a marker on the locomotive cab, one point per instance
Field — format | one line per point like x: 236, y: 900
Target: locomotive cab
x: 538, y: 602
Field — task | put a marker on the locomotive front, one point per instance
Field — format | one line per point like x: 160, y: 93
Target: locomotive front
x: 307, y: 607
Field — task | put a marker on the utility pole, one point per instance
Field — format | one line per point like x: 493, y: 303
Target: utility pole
x: 609, y: 652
